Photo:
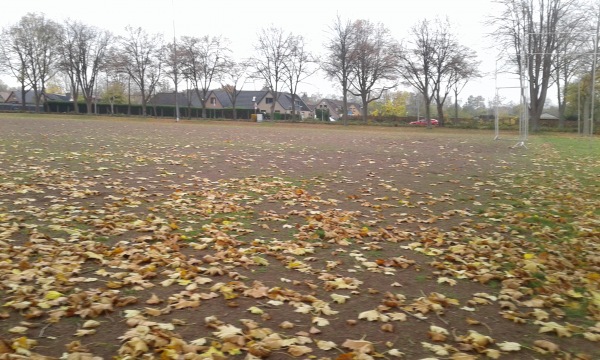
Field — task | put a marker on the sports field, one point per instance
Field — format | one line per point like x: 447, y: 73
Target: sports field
x: 131, y: 238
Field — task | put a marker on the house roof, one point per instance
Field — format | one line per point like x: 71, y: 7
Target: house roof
x: 339, y: 103
x: 243, y: 100
x: 286, y: 100
x: 29, y: 97
x: 168, y: 98
x: 58, y: 97
x: 546, y: 116
x: 4, y: 95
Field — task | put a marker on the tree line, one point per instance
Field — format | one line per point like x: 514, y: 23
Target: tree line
x: 545, y: 42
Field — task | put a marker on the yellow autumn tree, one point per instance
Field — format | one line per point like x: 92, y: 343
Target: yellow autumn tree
x: 54, y: 88
x: 393, y: 105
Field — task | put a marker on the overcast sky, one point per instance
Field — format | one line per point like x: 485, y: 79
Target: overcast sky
x: 241, y: 20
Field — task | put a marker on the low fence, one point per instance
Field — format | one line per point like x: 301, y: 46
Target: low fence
x: 133, y: 110
x: 18, y: 107
x: 186, y: 112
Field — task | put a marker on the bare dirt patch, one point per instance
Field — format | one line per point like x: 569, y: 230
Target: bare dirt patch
x: 153, y: 239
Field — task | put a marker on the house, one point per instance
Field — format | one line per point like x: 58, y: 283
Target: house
x: 334, y: 107
x: 546, y: 116
x: 245, y: 99
x: 258, y: 100
x: 310, y: 103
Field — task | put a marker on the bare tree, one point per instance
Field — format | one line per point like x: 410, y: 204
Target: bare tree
x: 273, y: 51
x: 530, y: 30
x: 83, y: 55
x: 232, y: 82
x: 452, y: 63
x: 571, y: 57
x: 418, y: 62
x: 435, y: 63
x: 460, y: 77
x: 337, y: 63
x: 589, y: 107
x: 13, y: 60
x: 204, y: 60
x: 374, y: 62
x: 114, y: 91
x: 141, y: 56
x: 174, y: 54
x: 298, y: 67
x: 68, y: 63
x: 31, y: 53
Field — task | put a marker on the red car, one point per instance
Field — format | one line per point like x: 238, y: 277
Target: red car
x: 423, y: 122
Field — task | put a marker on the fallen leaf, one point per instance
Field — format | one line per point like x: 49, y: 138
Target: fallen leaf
x: 326, y: 345
x: 546, y: 345
x: 319, y: 321
x: 299, y: 350
x: 84, y: 332
x: 340, y: 299
x: 255, y: 310
x: 18, y: 330
x: 226, y: 331
x: 509, y: 346
x: 90, y: 324
x: 360, y: 346
x: 286, y: 325
x: 396, y: 353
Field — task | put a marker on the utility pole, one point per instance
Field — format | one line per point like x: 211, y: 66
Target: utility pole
x: 594, y: 65
x: 175, y: 65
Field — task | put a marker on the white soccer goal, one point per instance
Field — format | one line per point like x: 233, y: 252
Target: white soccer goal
x: 523, y: 88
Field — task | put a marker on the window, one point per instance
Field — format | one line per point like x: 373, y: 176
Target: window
x: 213, y: 101
x: 269, y: 100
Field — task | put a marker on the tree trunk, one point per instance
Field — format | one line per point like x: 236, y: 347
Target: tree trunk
x: 144, y: 101
x: 293, y: 108
x: 364, y: 109
x: 561, y: 107
x: 75, y: 95
x: 36, y: 96
x: 344, y: 103
x: 275, y: 97
x: 176, y: 99
x: 455, y: 106
x: 586, y: 115
x: 534, y: 115
x: 129, y: 97
x: 560, y: 96
x: 88, y: 104
x: 440, y: 112
x: 428, y: 111
x: 23, y: 100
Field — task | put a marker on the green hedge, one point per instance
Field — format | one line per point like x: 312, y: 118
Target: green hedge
x: 151, y: 110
